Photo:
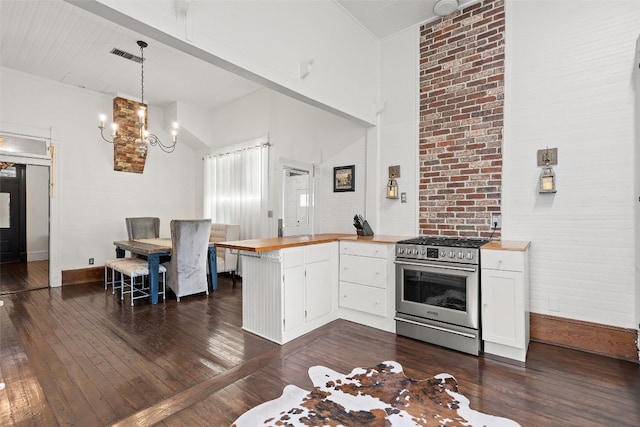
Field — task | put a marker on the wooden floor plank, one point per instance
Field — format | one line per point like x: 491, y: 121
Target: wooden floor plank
x: 77, y: 355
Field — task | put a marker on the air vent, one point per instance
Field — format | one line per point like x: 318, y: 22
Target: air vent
x: 126, y: 55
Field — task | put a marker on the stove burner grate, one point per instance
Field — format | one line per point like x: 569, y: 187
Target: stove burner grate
x: 455, y: 242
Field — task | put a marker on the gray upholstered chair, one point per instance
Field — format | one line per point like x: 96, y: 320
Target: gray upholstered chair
x: 143, y: 227
x: 187, y: 270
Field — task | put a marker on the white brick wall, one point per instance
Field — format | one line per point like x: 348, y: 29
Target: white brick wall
x: 569, y: 85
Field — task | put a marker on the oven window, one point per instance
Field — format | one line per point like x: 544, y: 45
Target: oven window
x: 441, y: 290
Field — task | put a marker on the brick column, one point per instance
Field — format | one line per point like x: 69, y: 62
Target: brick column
x: 461, y: 121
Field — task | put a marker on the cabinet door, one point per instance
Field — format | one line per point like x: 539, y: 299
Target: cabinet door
x: 503, y: 310
x: 293, y: 297
x: 318, y: 299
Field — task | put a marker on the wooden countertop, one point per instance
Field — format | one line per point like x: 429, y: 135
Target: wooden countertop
x: 507, y: 245
x: 276, y: 243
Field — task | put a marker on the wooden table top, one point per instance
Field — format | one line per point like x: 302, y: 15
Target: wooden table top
x: 148, y: 246
x: 276, y: 243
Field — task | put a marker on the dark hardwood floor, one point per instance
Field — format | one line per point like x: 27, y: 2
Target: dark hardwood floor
x: 23, y: 276
x: 77, y: 356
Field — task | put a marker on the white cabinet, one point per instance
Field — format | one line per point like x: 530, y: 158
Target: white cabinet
x: 309, y: 288
x: 505, y: 300
x: 289, y: 292
x: 367, y: 284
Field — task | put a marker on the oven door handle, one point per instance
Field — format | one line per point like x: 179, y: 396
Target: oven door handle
x: 437, y: 328
x: 446, y: 267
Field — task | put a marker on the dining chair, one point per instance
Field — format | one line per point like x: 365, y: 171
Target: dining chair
x: 187, y: 269
x: 137, y: 228
x: 143, y: 227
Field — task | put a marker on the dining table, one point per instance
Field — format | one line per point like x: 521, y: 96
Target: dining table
x: 153, y: 250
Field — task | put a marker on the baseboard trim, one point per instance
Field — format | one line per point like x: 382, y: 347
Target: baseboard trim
x: 612, y: 341
x: 82, y: 275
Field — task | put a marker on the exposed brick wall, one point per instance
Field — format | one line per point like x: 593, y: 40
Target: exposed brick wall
x: 128, y: 155
x: 461, y: 121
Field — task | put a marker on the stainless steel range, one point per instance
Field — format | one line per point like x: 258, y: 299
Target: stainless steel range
x: 438, y: 291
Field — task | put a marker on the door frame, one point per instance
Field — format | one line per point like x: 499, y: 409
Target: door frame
x: 55, y: 272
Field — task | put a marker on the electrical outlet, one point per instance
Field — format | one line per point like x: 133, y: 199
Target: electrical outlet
x: 496, y: 221
x: 90, y: 261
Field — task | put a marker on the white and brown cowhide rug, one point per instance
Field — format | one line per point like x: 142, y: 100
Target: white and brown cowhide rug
x: 378, y: 396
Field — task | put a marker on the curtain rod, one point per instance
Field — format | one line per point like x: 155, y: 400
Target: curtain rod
x: 237, y: 150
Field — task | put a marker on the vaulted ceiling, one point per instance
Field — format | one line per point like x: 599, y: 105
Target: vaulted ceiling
x: 59, y: 41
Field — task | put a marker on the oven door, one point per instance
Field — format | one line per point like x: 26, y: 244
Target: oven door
x: 438, y: 291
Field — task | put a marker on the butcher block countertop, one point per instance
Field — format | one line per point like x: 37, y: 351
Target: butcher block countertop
x: 507, y: 245
x: 276, y: 243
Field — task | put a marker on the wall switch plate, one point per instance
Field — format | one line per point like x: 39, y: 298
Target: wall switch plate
x: 90, y: 261
x: 403, y: 197
x: 496, y: 221
x: 269, y: 214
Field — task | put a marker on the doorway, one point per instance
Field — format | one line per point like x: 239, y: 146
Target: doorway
x: 24, y: 227
x: 13, y: 214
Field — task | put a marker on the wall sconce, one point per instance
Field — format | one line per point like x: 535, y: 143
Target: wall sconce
x: 392, y: 185
x: 546, y: 158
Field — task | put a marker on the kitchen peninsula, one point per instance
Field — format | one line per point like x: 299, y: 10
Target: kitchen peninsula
x: 293, y: 285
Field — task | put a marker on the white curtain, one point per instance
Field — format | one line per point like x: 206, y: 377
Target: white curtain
x: 235, y: 187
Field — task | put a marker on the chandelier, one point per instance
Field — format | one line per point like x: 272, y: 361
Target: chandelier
x: 143, y: 136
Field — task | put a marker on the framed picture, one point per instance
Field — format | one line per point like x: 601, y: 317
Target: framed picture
x: 344, y: 178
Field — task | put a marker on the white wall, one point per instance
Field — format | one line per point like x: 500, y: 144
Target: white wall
x: 37, y: 213
x: 569, y: 86
x: 305, y: 134
x: 398, y: 130
x: 266, y: 42
x: 92, y: 199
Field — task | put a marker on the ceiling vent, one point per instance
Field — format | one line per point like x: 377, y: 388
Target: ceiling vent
x: 127, y: 55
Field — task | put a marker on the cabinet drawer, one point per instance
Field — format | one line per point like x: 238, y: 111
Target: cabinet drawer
x: 363, y: 270
x: 376, y: 250
x: 502, y: 260
x: 317, y: 253
x: 293, y: 257
x: 363, y: 298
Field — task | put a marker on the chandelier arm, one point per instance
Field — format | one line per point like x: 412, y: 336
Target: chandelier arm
x: 102, y: 135
x: 155, y: 141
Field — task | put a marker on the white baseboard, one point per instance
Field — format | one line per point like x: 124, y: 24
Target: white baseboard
x: 37, y: 256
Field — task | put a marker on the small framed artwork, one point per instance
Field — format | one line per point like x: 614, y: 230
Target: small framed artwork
x: 344, y: 178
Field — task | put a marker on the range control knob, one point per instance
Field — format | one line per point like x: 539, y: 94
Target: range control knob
x: 460, y: 255
x: 452, y: 254
x: 400, y: 250
x: 423, y: 251
x: 443, y: 254
x: 469, y: 255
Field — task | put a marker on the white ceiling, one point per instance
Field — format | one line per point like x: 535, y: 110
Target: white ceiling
x: 56, y: 40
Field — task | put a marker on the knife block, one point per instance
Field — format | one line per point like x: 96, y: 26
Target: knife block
x: 366, y: 230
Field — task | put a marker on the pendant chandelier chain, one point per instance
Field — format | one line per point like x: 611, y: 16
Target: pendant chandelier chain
x: 144, y: 138
x: 142, y: 73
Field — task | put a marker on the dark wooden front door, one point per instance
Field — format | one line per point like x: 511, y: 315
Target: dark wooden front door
x: 13, y: 216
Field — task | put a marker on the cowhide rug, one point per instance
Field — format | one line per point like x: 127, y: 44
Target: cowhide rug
x: 378, y: 396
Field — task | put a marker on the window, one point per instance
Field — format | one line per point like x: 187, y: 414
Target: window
x: 235, y: 187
